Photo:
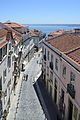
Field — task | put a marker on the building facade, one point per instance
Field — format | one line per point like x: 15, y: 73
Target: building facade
x: 6, y: 69
x: 10, y: 61
x: 61, y: 73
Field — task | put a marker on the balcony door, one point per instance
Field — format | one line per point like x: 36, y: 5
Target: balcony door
x: 70, y: 110
x: 51, y: 91
x: 55, y: 91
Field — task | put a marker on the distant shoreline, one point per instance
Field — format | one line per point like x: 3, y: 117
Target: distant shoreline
x: 54, y: 24
x: 47, y: 28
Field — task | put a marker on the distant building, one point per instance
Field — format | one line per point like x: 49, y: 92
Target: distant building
x: 56, y: 33
x: 19, y: 28
x: 61, y: 72
x: 37, y: 37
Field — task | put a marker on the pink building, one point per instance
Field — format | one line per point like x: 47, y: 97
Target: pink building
x: 61, y: 72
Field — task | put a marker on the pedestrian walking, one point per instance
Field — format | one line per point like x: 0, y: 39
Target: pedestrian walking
x: 26, y: 77
x: 37, y: 61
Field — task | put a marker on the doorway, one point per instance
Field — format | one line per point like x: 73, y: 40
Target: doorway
x: 55, y: 91
x: 51, y: 91
x: 55, y: 95
x: 70, y: 110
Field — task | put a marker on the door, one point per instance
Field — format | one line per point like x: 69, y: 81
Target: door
x: 50, y: 91
x: 70, y: 110
x: 55, y: 91
x: 55, y: 95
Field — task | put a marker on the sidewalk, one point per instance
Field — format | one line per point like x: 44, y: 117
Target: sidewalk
x: 51, y: 108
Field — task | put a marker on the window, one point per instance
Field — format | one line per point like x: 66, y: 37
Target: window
x: 9, y: 46
x: 47, y: 70
x: 64, y: 71
x: 45, y: 51
x: 56, y: 64
x: 62, y: 95
x: 55, y: 84
x: 48, y: 55
x: 1, y: 54
x: 1, y: 83
x: 4, y: 75
x: 51, y: 76
x: 9, y: 61
x: 51, y: 58
x: 5, y: 96
x: 5, y: 93
x: 9, y: 83
x: 4, y: 50
x: 72, y: 76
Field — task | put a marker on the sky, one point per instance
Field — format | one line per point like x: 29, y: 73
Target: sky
x: 40, y: 11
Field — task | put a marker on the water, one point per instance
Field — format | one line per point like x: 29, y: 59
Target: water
x: 47, y: 28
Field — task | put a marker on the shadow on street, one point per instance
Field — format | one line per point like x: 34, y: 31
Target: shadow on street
x: 50, y: 105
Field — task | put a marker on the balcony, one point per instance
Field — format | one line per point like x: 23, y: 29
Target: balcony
x: 51, y: 65
x: 71, y: 90
x: 44, y: 57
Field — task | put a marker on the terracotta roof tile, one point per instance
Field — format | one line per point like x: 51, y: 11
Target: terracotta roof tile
x: 56, y: 33
x: 69, y: 44
x: 3, y: 43
x: 14, y: 25
x: 75, y: 55
x: 3, y: 33
x: 34, y: 33
x: 65, y: 42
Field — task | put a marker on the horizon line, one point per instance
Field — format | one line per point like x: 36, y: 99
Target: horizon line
x: 54, y: 23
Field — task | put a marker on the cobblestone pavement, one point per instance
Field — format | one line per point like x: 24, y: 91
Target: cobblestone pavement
x: 29, y: 107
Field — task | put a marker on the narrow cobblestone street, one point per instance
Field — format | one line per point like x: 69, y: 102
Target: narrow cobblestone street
x: 29, y: 107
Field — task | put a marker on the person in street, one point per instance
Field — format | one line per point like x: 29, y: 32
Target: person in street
x: 26, y: 77
x: 37, y: 61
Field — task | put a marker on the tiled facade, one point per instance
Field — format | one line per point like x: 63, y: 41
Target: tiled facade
x: 61, y: 73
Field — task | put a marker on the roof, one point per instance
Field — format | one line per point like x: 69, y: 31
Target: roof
x: 14, y: 25
x: 75, y: 55
x: 3, y: 33
x: 65, y: 42
x: 56, y: 33
x: 16, y: 34
x: 34, y: 33
x: 69, y: 44
x: 4, y: 29
x: 3, y: 43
